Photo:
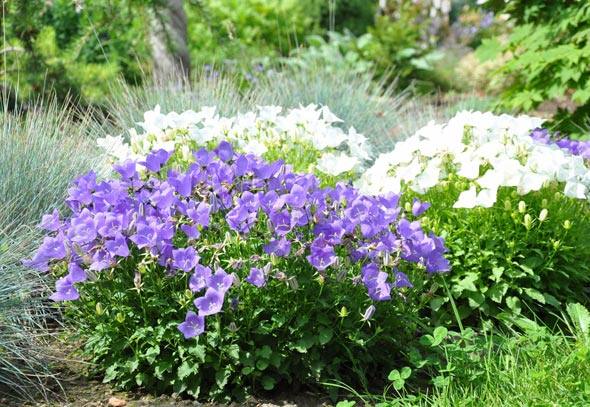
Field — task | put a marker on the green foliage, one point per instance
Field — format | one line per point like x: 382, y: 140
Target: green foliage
x: 529, y: 366
x: 353, y: 15
x: 237, y: 30
x: 300, y: 330
x: 40, y: 152
x: 339, y: 52
x: 550, y: 56
x: 52, y: 47
x: 393, y: 45
x: 532, y: 367
x: 523, y: 256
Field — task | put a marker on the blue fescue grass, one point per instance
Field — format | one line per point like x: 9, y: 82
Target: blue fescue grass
x: 24, y: 355
x: 41, y: 150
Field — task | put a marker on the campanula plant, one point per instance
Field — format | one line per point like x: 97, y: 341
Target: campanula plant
x: 236, y: 274
x: 512, y: 205
x: 309, y: 138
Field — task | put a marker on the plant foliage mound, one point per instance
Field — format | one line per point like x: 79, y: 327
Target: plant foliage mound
x: 514, y: 212
x: 550, y: 51
x: 236, y: 275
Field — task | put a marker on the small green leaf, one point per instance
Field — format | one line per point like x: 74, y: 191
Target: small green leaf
x: 184, y: 370
x: 152, y: 353
x: 261, y: 364
x: 580, y: 317
x: 247, y: 370
x: 439, y: 334
x: 110, y: 374
x: 221, y: 377
x: 489, y: 49
x: 325, y: 335
x: 234, y: 351
x: 268, y: 383
x: 535, y: 295
x: 514, y: 304
x: 394, y: 375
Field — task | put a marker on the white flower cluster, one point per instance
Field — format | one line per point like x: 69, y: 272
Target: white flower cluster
x: 491, y: 151
x: 252, y: 132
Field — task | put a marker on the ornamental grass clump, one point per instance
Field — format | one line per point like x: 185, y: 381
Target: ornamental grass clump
x: 514, y: 213
x: 306, y: 137
x: 235, y: 275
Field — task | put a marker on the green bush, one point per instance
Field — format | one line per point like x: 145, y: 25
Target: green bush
x: 286, y: 335
x: 237, y: 32
x: 55, y: 48
x: 354, y: 15
x: 550, y: 56
x: 504, y: 266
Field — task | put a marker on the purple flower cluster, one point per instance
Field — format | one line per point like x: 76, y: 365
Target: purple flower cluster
x: 575, y: 147
x: 150, y: 214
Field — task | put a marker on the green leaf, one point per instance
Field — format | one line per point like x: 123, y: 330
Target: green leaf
x: 161, y: 367
x: 325, y: 335
x: 489, y: 49
x: 346, y: 403
x: 406, y: 372
x: 394, y: 375
x: 436, y: 303
x: 221, y: 377
x: 467, y: 283
x: 497, y: 273
x: 514, y: 304
x: 439, y: 334
x: 233, y: 351
x: 247, y: 370
x: 268, y: 383
x: 582, y: 95
x: 110, y: 374
x: 184, y: 370
x: 580, y: 317
x: 262, y: 364
x: 152, y: 353
x: 198, y: 351
x: 535, y: 295
x: 497, y: 292
x: 264, y: 352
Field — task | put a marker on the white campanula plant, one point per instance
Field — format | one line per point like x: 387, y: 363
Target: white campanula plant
x: 234, y: 274
x: 514, y: 212
x: 307, y: 137
x: 488, y: 151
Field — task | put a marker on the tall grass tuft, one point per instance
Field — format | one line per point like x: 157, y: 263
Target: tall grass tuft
x: 24, y: 352
x: 207, y: 87
x: 373, y: 108
x: 41, y: 150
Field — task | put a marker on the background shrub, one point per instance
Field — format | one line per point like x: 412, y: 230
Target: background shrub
x: 550, y: 55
